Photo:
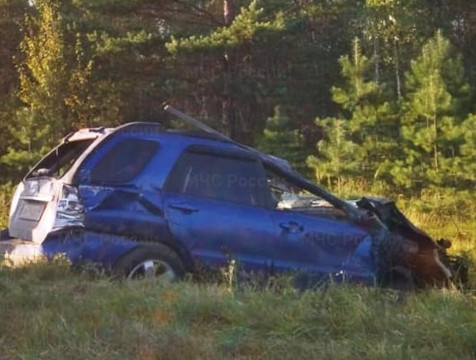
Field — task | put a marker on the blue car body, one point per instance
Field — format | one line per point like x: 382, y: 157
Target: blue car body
x: 96, y: 213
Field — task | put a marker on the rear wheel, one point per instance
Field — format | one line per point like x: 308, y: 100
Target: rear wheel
x: 150, y: 261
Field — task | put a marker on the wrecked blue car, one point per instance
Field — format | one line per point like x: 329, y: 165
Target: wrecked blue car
x: 141, y: 200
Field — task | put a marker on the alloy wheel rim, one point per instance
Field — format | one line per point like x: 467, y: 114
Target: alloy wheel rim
x: 152, y: 268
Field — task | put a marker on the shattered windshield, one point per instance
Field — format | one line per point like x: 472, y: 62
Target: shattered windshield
x: 60, y: 160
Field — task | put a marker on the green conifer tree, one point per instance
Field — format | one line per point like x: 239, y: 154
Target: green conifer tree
x: 435, y: 109
x: 338, y: 155
x: 467, y: 168
x: 53, y: 76
x: 361, y: 144
x: 282, y: 139
x: 11, y: 14
x: 43, y: 74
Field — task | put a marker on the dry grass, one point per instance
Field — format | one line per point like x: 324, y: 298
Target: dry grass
x: 6, y: 192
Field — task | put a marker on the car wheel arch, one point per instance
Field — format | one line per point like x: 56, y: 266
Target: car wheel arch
x: 180, y: 250
x: 148, y: 252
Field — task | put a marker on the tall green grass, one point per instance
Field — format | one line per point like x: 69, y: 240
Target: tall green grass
x: 48, y: 312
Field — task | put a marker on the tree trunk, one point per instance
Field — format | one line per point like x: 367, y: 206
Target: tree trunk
x: 227, y: 126
x: 377, y: 59
x: 396, y: 55
x: 228, y: 11
x: 435, y: 129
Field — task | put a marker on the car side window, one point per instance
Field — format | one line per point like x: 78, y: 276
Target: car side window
x: 228, y: 178
x: 60, y: 160
x: 124, y: 161
x: 289, y: 196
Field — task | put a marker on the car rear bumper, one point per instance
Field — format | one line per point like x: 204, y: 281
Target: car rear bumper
x: 16, y: 252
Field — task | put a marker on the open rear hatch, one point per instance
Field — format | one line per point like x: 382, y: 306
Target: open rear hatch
x: 33, y: 212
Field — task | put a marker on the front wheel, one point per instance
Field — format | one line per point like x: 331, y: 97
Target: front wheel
x: 150, y: 261
x: 399, y: 278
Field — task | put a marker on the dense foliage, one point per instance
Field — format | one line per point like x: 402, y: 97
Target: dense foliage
x: 390, y: 82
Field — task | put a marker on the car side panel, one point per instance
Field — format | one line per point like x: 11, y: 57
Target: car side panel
x: 88, y: 246
x: 321, y: 246
x: 134, y: 209
x: 216, y: 231
x: 127, y: 211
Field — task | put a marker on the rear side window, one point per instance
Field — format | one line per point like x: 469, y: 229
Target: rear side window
x: 60, y: 160
x: 124, y: 161
x: 227, y: 178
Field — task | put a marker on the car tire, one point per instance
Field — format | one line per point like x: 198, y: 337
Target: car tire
x: 399, y: 278
x: 394, y: 271
x: 150, y: 261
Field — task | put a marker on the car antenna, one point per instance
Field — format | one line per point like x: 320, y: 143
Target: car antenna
x: 192, y: 121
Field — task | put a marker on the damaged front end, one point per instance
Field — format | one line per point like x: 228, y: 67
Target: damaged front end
x: 405, y: 256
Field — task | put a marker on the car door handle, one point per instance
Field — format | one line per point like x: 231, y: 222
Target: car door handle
x: 291, y: 227
x: 184, y: 208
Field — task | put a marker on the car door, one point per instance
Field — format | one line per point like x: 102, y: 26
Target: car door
x: 116, y: 191
x: 312, y: 236
x: 214, y: 205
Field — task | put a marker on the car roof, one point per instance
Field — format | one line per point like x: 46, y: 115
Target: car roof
x: 211, y: 138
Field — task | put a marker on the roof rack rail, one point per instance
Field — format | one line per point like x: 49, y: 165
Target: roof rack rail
x: 194, y: 122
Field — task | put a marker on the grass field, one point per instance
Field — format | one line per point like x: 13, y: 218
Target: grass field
x: 48, y: 311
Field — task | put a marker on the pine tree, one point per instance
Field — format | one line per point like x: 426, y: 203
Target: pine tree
x: 367, y: 133
x: 338, y: 156
x: 435, y: 108
x: 43, y: 74
x: 468, y: 152
x: 395, y: 29
x: 28, y: 134
x: 11, y: 14
x: 53, y: 85
x: 282, y: 139
x: 42, y: 82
